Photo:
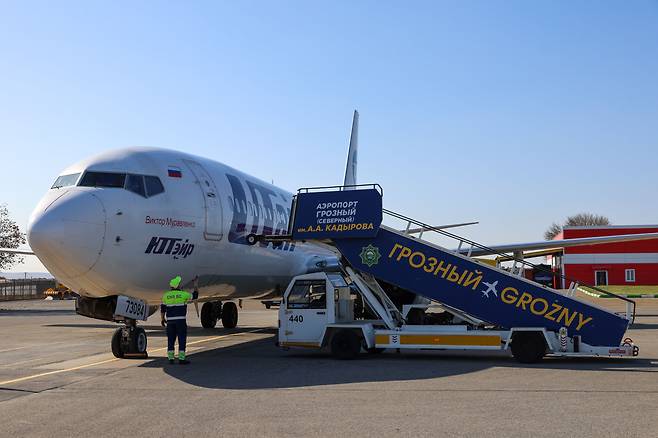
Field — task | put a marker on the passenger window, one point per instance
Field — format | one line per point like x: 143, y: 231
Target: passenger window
x: 135, y: 184
x: 153, y: 185
x: 103, y: 179
x: 308, y: 294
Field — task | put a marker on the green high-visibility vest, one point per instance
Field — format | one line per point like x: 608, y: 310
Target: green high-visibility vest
x: 173, y: 297
x: 174, y: 304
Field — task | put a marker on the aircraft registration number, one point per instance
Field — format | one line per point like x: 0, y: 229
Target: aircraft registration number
x: 132, y: 308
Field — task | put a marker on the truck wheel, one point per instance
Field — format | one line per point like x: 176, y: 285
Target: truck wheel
x: 528, y: 347
x: 117, y: 351
x: 345, y: 344
x: 208, y: 317
x: 229, y: 315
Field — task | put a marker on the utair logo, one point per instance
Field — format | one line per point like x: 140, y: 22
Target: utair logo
x: 370, y: 255
x: 170, y: 246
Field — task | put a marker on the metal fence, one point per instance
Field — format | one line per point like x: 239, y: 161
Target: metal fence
x: 24, y: 289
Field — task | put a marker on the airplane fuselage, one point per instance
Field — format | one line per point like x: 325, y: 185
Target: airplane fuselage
x: 104, y: 233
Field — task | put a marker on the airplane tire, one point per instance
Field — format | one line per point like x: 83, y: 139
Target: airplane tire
x: 138, y: 341
x: 208, y: 317
x: 117, y: 350
x: 251, y: 239
x: 229, y: 315
x: 345, y: 345
x: 528, y: 347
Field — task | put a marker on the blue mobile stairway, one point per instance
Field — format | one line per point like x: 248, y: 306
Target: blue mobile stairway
x: 350, y: 221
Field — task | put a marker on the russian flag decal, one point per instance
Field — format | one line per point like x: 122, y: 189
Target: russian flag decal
x: 175, y: 172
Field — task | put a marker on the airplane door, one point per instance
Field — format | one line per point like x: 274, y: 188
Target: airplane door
x: 212, y: 203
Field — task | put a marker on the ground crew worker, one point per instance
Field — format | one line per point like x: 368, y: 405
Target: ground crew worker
x: 174, y: 307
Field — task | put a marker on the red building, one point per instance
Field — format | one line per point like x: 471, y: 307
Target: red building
x: 625, y: 263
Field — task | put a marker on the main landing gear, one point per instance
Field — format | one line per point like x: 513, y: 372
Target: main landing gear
x: 212, y: 311
x: 129, y: 341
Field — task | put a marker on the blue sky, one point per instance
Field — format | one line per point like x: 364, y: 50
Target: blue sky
x: 515, y: 114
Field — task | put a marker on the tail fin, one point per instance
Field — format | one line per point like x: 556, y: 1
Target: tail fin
x: 350, y: 167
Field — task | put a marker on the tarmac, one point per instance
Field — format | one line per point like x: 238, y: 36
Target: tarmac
x: 59, y: 378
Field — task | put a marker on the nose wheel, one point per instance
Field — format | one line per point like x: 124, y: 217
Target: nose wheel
x: 129, y: 341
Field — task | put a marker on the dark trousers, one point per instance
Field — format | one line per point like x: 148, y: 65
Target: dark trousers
x: 176, y: 328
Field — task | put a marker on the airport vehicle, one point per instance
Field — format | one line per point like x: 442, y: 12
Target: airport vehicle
x: 116, y: 227
x: 485, y: 307
x: 60, y: 291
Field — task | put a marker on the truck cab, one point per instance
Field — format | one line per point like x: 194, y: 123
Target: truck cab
x: 311, y: 303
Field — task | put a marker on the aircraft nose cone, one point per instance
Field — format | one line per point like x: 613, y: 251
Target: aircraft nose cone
x: 68, y: 235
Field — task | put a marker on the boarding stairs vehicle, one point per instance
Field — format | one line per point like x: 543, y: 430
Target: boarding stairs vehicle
x: 484, y: 307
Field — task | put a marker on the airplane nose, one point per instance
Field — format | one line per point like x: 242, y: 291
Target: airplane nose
x: 68, y: 235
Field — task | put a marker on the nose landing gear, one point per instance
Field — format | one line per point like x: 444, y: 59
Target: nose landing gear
x: 129, y: 341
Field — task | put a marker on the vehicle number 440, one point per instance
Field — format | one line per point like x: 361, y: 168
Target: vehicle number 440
x: 296, y: 318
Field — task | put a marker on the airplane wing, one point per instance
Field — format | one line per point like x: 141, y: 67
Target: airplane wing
x: 564, y: 243
x: 16, y: 251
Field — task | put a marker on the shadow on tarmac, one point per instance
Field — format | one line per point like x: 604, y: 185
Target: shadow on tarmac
x: 260, y: 365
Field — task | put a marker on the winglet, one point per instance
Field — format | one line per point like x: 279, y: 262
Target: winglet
x: 350, y: 167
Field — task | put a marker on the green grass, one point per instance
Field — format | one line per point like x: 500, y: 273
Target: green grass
x: 626, y: 290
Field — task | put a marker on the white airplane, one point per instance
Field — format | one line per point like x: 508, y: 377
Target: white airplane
x: 116, y: 227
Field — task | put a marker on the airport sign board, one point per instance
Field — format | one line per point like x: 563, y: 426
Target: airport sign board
x: 337, y: 214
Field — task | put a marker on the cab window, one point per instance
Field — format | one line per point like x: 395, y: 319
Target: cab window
x: 103, y: 179
x: 308, y: 294
x: 65, y: 180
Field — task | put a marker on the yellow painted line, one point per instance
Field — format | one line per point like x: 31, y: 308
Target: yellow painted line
x: 114, y: 359
x: 480, y: 340
x: 381, y: 339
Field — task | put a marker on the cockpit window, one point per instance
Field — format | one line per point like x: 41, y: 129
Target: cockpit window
x: 143, y: 185
x: 65, y: 180
x: 153, y: 185
x: 135, y: 184
x: 103, y: 179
